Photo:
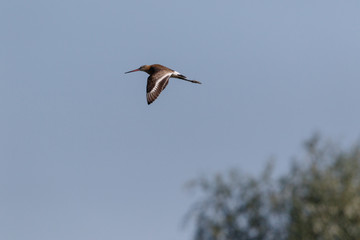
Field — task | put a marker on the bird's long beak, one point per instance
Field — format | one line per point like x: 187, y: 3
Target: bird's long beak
x: 133, y: 70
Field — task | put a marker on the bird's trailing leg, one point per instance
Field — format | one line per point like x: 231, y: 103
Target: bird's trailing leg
x: 193, y: 81
x: 182, y: 77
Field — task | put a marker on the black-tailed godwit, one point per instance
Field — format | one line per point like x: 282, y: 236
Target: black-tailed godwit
x: 158, y: 79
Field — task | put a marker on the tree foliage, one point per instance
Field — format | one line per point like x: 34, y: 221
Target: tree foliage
x: 319, y: 198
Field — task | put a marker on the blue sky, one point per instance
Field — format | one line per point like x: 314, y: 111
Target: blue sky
x: 82, y: 155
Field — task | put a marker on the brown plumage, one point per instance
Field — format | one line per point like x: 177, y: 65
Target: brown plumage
x: 159, y: 79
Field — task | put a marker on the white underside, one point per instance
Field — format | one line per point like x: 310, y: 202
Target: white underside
x: 175, y: 73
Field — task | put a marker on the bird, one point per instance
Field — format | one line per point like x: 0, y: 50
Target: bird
x: 158, y: 79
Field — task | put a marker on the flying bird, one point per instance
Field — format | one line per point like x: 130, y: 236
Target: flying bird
x: 158, y: 79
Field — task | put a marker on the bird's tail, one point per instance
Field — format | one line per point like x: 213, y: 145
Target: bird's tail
x: 182, y: 77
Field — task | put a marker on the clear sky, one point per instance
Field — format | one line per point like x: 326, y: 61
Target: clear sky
x: 82, y: 155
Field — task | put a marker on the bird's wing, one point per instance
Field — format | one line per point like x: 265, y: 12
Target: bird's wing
x: 155, y: 84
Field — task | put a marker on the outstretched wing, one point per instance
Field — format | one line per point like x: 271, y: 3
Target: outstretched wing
x: 155, y: 84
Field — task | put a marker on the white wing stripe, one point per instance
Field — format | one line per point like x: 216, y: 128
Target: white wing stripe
x: 158, y: 82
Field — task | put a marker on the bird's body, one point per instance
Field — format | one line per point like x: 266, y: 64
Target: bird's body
x: 158, y: 79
